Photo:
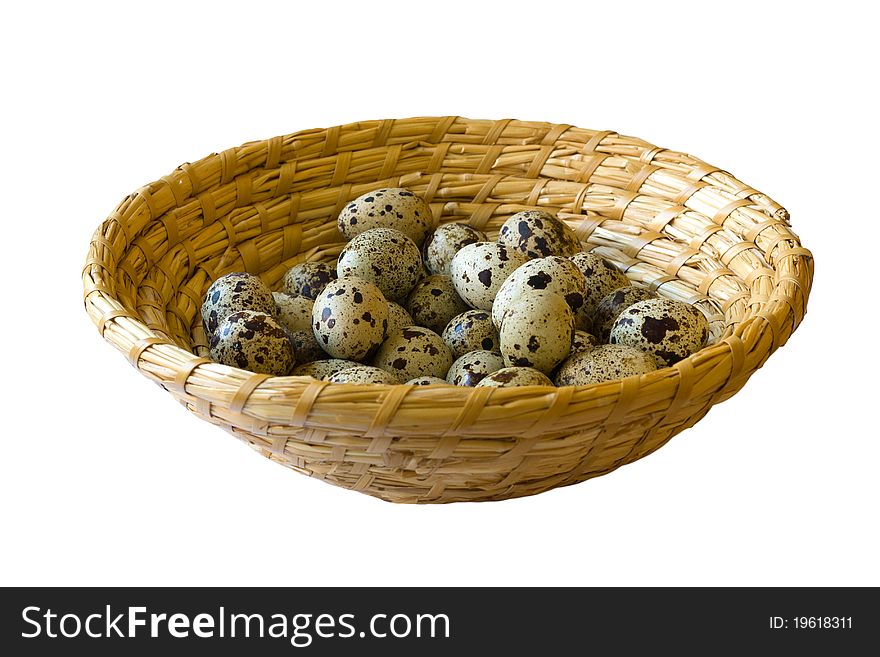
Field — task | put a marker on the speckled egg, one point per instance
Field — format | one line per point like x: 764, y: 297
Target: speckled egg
x: 472, y: 330
x: 511, y: 377
x: 537, y: 331
x: 306, y: 347
x: 253, y: 341
x: 393, y: 207
x: 434, y: 302
x: 479, y: 269
x: 398, y: 317
x: 415, y: 351
x: 615, y: 303
x: 350, y: 318
x: 385, y: 257
x: 538, y: 234
x: 363, y: 374
x: 323, y: 369
x: 445, y: 242
x: 582, y: 341
x: 234, y: 292
x: 607, y: 362
x: 308, y: 279
x: 553, y: 274
x: 427, y: 381
x: 602, y: 278
x: 669, y: 330
x: 294, y: 313
x: 473, y: 367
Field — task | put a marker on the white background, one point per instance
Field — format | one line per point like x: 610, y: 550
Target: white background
x: 105, y: 479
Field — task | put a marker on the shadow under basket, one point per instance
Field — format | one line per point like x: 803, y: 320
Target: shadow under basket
x: 671, y: 222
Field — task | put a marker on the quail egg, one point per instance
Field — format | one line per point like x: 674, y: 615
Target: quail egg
x: 234, y: 292
x: 479, y: 269
x: 602, y: 278
x: 510, y: 377
x: 385, y: 257
x: 308, y: 279
x: 323, y: 369
x: 552, y: 273
x: 306, y: 346
x: 537, y: 331
x: 669, y: 330
x: 582, y: 341
x: 538, y: 234
x: 606, y: 362
x: 363, y: 374
x: 294, y: 313
x: 427, y: 381
x: 473, y: 367
x: 445, y: 242
x: 414, y: 351
x: 350, y: 318
x: 472, y: 330
x: 253, y: 341
x: 613, y: 304
x: 398, y: 317
x: 434, y: 302
x: 394, y: 207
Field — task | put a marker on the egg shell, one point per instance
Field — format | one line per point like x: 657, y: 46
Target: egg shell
x: 434, y: 302
x: 306, y: 347
x: 669, y: 330
x: 538, y: 234
x: 510, y: 377
x: 473, y: 367
x: 232, y: 293
x: 349, y: 318
x: 323, y: 369
x: 441, y: 245
x: 389, y: 207
x: 537, y: 331
x: 415, y: 351
x: 308, y: 279
x: 553, y: 274
x: 427, y: 381
x: 607, y: 362
x: 479, y: 270
x: 602, y: 278
x: 383, y: 256
x: 472, y: 330
x: 398, y: 317
x: 613, y: 304
x: 253, y: 341
x: 363, y: 374
x: 582, y: 341
x: 294, y: 313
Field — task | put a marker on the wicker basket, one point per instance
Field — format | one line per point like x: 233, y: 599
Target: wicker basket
x: 686, y: 229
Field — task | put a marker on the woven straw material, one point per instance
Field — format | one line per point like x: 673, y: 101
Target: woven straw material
x: 689, y: 230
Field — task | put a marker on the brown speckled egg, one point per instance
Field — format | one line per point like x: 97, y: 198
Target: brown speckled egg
x: 427, y: 381
x: 537, y: 331
x: 385, y: 257
x: 253, y: 341
x: 363, y: 374
x: 538, y: 234
x: 323, y: 369
x: 394, y: 207
x: 472, y: 330
x: 434, y: 302
x: 511, y: 377
x: 308, y: 279
x: 306, y: 347
x: 473, y: 367
x: 234, y: 292
x: 615, y: 303
x: 415, y: 351
x: 582, y: 341
x: 607, y: 362
x: 349, y: 318
x: 602, y: 278
x: 294, y: 313
x: 553, y: 274
x: 668, y: 330
x: 445, y: 242
x: 397, y: 318
x: 479, y: 269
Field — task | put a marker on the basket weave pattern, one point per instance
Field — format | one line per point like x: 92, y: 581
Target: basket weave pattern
x: 672, y: 222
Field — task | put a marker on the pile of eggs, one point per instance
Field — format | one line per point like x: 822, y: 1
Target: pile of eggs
x: 412, y: 302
